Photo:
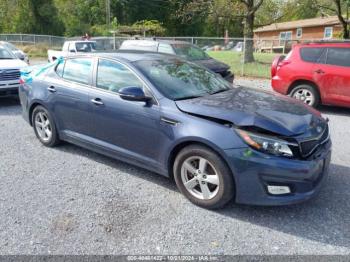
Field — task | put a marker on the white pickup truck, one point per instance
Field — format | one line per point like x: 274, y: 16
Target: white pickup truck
x: 71, y: 48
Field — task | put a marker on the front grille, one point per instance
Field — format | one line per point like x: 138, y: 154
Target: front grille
x: 309, y: 146
x: 10, y: 74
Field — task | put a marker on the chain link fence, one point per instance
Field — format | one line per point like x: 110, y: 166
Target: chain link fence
x: 28, y: 39
x: 228, y: 50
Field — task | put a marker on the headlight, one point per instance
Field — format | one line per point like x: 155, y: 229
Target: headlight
x: 267, y: 144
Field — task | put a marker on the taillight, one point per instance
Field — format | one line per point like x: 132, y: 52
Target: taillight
x: 283, y: 63
x: 278, y: 62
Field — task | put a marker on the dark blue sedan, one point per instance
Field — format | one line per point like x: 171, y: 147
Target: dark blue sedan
x: 176, y: 118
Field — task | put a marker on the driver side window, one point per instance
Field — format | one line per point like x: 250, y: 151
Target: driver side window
x: 113, y: 76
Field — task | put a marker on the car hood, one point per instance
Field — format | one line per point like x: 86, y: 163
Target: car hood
x: 214, y: 65
x: 12, y: 64
x: 247, y: 107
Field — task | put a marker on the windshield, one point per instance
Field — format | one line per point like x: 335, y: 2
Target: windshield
x: 190, y: 52
x: 11, y: 47
x: 5, y: 54
x: 179, y: 80
x: 86, y: 47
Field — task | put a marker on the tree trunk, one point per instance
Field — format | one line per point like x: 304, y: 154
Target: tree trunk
x: 346, y: 32
x: 345, y: 29
x: 249, y: 35
x: 343, y: 21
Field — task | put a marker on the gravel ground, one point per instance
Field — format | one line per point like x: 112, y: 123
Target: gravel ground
x: 253, y: 82
x: 68, y: 200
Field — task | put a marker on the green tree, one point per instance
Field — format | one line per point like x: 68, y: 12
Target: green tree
x: 340, y: 8
x: 80, y: 15
x: 30, y: 16
x: 245, y: 9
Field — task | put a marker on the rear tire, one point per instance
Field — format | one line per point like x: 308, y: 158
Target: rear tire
x: 307, y: 94
x: 203, y: 177
x: 44, y: 127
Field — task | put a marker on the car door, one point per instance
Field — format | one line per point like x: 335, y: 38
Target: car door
x: 131, y: 128
x: 69, y: 96
x: 333, y: 76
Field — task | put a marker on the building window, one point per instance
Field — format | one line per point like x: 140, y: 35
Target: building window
x: 328, y: 33
x: 285, y: 36
x: 299, y: 32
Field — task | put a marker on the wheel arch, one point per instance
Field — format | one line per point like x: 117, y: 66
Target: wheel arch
x: 181, y: 145
x: 305, y: 81
x: 31, y: 109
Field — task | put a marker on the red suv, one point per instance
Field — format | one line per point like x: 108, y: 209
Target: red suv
x: 316, y: 73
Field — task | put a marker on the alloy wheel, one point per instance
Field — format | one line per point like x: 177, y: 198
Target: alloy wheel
x: 305, y: 95
x: 200, y: 178
x: 43, y: 126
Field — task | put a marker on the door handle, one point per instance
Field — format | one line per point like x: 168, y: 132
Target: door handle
x: 169, y: 121
x: 51, y: 89
x: 319, y: 71
x: 97, y: 101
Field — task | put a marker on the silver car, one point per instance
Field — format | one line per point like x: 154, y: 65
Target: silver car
x: 17, y: 52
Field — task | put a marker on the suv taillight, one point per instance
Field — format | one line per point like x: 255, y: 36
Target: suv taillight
x: 277, y: 63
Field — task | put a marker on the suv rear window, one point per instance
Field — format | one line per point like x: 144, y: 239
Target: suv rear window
x: 311, y: 54
x: 338, y: 56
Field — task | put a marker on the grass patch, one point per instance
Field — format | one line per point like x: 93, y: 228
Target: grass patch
x: 260, y: 68
x: 35, y: 51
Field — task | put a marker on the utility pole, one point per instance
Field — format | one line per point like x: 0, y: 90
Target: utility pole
x: 108, y: 13
x: 347, y: 15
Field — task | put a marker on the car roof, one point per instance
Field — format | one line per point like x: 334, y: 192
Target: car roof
x: 82, y: 41
x: 131, y: 55
x: 165, y: 41
x: 4, y: 43
x: 4, y: 47
x: 326, y: 43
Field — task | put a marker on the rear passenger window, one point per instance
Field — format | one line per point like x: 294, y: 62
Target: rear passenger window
x: 338, y: 56
x: 78, y: 70
x: 312, y: 55
x: 113, y: 76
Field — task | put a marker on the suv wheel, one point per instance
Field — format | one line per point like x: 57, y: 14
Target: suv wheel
x: 203, y: 177
x: 307, y: 94
x: 44, y: 127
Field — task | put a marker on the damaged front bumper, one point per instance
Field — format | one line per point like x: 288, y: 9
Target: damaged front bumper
x: 256, y: 173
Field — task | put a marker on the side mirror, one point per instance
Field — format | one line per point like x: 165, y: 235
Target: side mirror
x: 21, y: 56
x: 133, y: 94
x: 71, y: 51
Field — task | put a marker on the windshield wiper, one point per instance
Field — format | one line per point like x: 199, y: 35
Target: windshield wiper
x: 186, y: 97
x: 219, y: 91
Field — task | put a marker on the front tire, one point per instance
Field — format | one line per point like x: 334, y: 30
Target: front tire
x: 44, y: 127
x: 307, y: 94
x: 203, y: 177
